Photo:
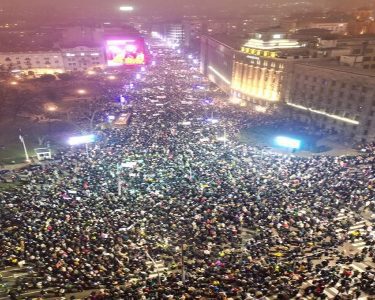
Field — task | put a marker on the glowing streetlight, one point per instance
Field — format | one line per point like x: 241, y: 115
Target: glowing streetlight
x: 82, y: 140
x: 126, y: 8
x: 82, y: 92
x: 51, y: 107
x: 24, y: 148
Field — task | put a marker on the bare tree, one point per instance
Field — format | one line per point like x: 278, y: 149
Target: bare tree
x: 86, y: 115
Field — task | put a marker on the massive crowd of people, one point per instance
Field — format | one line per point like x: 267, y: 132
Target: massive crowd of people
x: 228, y: 220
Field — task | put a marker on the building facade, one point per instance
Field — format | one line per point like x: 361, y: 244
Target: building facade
x: 173, y: 33
x: 333, y: 27
x: 50, y: 62
x: 83, y: 59
x: 262, y: 69
x: 336, y: 97
x: 39, y: 62
x: 354, y: 51
x: 217, y: 61
x: 336, y: 92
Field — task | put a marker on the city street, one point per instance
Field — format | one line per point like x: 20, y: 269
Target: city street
x: 168, y: 204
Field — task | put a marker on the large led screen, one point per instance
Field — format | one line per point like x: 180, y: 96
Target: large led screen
x: 124, y: 52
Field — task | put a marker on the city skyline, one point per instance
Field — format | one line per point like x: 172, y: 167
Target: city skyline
x: 96, y: 8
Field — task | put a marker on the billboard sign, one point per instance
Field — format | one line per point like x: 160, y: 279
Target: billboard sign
x: 121, y: 52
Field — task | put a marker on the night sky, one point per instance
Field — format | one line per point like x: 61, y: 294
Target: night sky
x: 87, y: 8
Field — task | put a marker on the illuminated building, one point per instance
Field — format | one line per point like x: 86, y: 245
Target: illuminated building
x: 262, y: 68
x: 333, y: 27
x: 336, y: 97
x: 83, y: 58
x: 315, y: 86
x: 38, y: 62
x: 217, y: 57
x: 49, y: 62
x: 193, y: 29
x: 363, y: 22
x: 173, y: 33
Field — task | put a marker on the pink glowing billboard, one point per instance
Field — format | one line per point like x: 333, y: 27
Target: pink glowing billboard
x: 124, y: 52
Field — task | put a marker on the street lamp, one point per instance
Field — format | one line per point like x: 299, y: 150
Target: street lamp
x: 51, y: 107
x: 126, y: 8
x: 24, y: 148
x: 82, y: 92
x: 82, y: 139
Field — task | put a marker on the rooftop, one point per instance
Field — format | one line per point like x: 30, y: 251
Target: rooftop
x: 229, y: 40
x: 335, y: 66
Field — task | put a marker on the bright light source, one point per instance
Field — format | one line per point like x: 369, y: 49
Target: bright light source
x: 51, y: 107
x: 222, y: 77
x: 260, y: 108
x: 235, y: 100
x: 155, y: 34
x: 153, y: 63
x: 81, y: 92
x: 143, y: 69
x: 126, y: 8
x: 13, y: 82
x: 324, y: 113
x: 111, y: 77
x: 138, y: 76
x: 130, y: 48
x: 91, y: 72
x: 284, y: 141
x: 190, y: 56
x: 222, y: 139
x: 79, y: 140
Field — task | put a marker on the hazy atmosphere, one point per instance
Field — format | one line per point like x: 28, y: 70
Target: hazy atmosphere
x: 187, y: 149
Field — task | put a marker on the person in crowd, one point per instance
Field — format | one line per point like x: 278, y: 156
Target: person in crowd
x: 227, y: 220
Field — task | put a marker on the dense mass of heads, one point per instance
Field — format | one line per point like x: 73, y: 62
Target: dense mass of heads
x: 226, y: 219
